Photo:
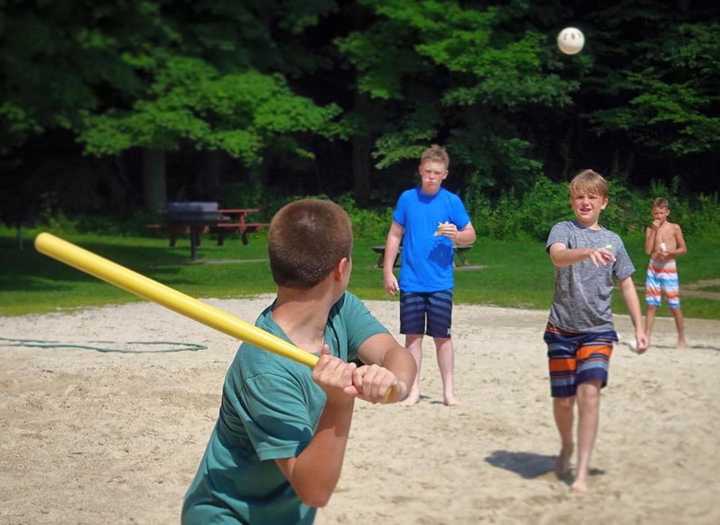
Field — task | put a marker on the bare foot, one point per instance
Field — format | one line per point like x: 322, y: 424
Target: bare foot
x: 562, y: 464
x: 412, y: 398
x: 682, y: 344
x: 450, y: 400
x: 579, y: 486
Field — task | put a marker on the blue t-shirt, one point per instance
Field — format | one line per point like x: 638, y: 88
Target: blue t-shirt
x: 426, y: 258
x: 270, y: 409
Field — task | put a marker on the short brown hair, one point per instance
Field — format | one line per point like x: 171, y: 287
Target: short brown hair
x: 660, y: 202
x: 306, y: 240
x: 590, y: 181
x: 436, y: 153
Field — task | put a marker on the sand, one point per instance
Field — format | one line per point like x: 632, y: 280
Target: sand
x: 91, y: 436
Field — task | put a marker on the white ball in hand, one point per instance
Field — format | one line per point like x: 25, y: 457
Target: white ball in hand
x: 570, y: 40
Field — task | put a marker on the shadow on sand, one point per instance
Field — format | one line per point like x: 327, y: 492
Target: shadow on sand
x: 526, y: 464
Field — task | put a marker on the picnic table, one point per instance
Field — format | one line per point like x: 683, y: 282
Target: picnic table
x: 195, y: 218
x: 235, y: 221
x: 460, y: 258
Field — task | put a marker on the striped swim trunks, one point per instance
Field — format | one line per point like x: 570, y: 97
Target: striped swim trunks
x: 662, y: 277
x: 575, y: 358
x: 418, y: 307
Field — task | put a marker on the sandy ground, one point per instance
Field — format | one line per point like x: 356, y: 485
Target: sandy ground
x: 111, y: 430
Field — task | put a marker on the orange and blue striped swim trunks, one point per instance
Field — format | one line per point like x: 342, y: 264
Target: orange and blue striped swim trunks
x: 662, y: 277
x: 577, y: 357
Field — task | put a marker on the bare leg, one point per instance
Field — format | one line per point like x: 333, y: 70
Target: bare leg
x: 446, y: 363
x: 588, y: 399
x: 680, y: 325
x: 649, y: 320
x: 414, y: 344
x: 563, y: 412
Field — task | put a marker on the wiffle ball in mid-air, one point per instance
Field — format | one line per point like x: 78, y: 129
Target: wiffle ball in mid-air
x: 570, y: 40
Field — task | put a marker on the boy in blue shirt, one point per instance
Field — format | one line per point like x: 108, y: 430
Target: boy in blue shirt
x: 277, y: 448
x: 580, y: 331
x: 428, y: 220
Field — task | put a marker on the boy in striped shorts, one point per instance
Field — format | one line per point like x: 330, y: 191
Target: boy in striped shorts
x: 580, y: 331
x: 663, y: 242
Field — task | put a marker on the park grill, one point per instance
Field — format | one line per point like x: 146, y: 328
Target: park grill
x: 199, y: 217
x: 193, y: 217
x: 193, y: 212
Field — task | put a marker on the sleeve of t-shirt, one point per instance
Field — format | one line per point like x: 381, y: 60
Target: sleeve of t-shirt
x: 359, y: 322
x: 276, y: 415
x: 459, y: 214
x: 623, y: 266
x: 399, y: 212
x: 559, y: 233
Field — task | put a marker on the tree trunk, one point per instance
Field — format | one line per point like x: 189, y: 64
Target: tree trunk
x: 207, y: 182
x: 361, y: 168
x: 154, y: 183
x: 361, y: 144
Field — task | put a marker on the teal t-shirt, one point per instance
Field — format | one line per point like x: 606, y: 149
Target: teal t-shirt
x: 270, y: 409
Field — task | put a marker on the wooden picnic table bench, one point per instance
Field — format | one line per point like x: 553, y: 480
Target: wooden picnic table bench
x: 234, y: 222
x: 198, y: 218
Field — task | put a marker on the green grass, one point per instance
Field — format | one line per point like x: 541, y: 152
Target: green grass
x: 513, y: 273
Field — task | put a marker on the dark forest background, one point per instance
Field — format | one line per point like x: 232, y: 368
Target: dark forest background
x: 113, y: 108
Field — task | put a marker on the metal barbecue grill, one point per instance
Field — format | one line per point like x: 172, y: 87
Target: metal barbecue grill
x: 193, y: 212
x: 195, y: 216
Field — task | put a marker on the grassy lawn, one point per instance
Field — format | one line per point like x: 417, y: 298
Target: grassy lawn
x: 502, y: 273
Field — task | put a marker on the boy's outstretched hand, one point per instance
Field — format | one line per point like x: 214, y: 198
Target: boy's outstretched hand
x: 602, y: 256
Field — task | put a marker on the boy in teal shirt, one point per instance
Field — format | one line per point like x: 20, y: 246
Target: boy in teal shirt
x: 277, y: 448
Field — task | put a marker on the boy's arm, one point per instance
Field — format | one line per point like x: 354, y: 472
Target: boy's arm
x: 466, y: 236
x: 650, y: 233
x: 681, y: 248
x: 314, y: 473
x: 388, y: 365
x: 562, y: 256
x: 392, y: 247
x: 633, y: 305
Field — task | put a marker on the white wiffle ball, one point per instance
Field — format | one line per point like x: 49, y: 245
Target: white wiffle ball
x: 570, y: 40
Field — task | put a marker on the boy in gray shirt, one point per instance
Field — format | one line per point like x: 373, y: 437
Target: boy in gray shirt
x: 580, y: 332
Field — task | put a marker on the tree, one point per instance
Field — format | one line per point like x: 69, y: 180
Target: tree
x: 443, y: 71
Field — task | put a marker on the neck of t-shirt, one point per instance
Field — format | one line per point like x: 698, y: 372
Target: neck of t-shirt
x: 426, y: 194
x: 594, y: 226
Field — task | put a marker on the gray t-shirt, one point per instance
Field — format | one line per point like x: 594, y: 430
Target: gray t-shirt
x: 582, y: 290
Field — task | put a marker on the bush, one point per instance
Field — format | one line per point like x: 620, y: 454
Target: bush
x: 510, y: 216
x: 366, y: 223
x: 532, y: 214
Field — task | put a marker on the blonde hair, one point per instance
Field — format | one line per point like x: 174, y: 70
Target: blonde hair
x: 661, y: 203
x: 436, y: 153
x: 589, y: 181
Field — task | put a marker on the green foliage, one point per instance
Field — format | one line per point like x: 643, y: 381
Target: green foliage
x: 381, y: 73
x: 671, y: 89
x: 407, y: 139
x: 367, y: 224
x: 533, y: 213
x: 238, y: 113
